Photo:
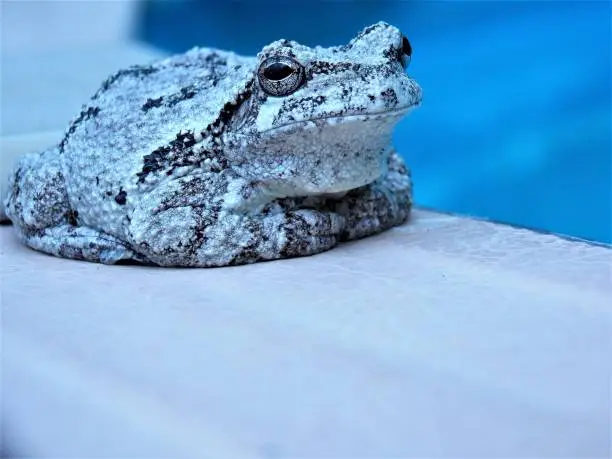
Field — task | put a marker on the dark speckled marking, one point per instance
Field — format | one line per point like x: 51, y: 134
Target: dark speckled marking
x: 185, y: 93
x: 153, y: 162
x: 17, y: 182
x: 291, y: 105
x: 249, y: 253
x: 73, y: 217
x: 229, y: 109
x: 294, y: 226
x: 215, y: 60
x: 91, y: 112
x: 326, y: 68
x: 121, y: 197
x: 393, y: 53
x: 192, y: 191
x: 136, y: 71
x: 178, y: 153
x: 152, y: 103
x: 367, y: 31
x: 390, y: 97
x: 70, y: 251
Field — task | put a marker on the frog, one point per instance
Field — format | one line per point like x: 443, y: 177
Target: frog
x: 209, y: 158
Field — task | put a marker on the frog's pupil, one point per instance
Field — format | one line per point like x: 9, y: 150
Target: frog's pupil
x: 277, y: 71
x: 406, y: 48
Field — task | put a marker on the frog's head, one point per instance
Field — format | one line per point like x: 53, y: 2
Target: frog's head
x: 320, y: 120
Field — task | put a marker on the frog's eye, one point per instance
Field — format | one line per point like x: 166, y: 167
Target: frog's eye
x: 406, y: 52
x: 406, y: 47
x: 280, y: 76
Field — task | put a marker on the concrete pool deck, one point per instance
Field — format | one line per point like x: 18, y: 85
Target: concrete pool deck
x: 445, y: 337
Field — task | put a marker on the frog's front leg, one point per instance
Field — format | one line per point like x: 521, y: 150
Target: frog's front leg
x: 215, y: 219
x: 378, y: 206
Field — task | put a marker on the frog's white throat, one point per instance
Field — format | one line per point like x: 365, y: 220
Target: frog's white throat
x: 331, y: 155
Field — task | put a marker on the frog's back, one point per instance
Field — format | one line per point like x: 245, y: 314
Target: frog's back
x: 141, y: 108
x: 136, y: 113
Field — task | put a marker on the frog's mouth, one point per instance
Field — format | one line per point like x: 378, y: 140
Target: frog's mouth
x: 334, y: 119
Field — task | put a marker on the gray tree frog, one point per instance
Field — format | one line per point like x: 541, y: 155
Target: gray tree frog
x: 208, y: 158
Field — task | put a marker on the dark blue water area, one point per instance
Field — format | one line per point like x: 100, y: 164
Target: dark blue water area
x: 515, y: 124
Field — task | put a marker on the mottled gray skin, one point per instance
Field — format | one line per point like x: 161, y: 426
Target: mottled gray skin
x: 189, y: 162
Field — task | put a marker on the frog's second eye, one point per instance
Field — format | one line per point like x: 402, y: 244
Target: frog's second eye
x: 280, y: 76
x: 406, y: 52
x: 406, y: 47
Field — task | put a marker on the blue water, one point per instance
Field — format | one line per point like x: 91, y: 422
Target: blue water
x: 516, y: 120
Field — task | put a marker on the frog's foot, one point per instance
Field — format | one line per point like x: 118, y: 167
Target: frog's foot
x: 197, y: 237
x: 187, y: 222
x: 79, y: 243
x: 378, y: 206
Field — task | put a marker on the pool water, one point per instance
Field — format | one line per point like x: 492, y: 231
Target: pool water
x: 516, y: 121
